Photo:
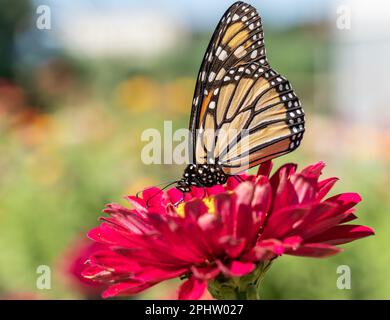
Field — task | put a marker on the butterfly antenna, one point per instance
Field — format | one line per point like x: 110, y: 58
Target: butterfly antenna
x: 157, y: 185
x: 158, y: 192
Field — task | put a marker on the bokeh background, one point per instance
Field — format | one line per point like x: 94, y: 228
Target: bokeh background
x: 74, y: 100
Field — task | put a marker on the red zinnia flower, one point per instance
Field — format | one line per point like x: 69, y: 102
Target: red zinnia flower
x: 221, y: 232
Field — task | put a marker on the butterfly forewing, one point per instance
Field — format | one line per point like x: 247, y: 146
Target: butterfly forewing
x: 244, y: 112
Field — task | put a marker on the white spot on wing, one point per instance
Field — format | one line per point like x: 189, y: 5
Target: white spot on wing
x: 223, y: 55
x: 211, y: 76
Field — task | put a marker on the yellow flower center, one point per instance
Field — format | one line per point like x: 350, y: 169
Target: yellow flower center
x: 209, y: 202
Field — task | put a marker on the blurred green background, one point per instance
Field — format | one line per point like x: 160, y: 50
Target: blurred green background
x: 75, y: 98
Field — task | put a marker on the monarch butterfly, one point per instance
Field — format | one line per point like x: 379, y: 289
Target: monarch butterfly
x: 237, y: 90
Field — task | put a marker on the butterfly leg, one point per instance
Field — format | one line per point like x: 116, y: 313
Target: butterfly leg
x: 180, y: 201
x: 238, y: 179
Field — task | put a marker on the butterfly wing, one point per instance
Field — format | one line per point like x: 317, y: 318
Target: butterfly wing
x: 243, y: 112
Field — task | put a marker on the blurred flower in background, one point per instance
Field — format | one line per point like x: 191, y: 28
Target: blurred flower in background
x: 72, y: 263
x: 138, y: 94
x: 178, y: 95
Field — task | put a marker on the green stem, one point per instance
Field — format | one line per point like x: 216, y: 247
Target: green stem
x: 239, y: 288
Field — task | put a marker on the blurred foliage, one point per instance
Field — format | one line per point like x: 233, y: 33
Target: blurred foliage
x: 14, y: 16
x: 61, y: 164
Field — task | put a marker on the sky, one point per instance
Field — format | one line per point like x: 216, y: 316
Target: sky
x: 199, y: 14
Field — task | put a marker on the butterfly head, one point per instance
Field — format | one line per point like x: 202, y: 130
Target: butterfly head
x: 201, y: 175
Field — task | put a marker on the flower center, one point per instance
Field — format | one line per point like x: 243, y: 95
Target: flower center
x: 209, y: 202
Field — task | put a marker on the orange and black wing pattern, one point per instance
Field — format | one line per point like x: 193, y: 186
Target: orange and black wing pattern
x: 243, y: 112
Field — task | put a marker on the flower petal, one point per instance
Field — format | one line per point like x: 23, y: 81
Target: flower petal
x: 262, y: 197
x: 349, y: 216
x: 215, y: 190
x: 342, y: 234
x: 195, y: 208
x: 205, y: 273
x: 126, y: 288
x: 137, y: 203
x: 281, y: 222
x: 314, y: 250
x: 233, y: 246
x: 345, y: 200
x: 314, y: 170
x: 265, y: 168
x: 114, y: 261
x: 236, y: 268
x: 324, y: 187
x: 192, y: 289
x: 174, y: 195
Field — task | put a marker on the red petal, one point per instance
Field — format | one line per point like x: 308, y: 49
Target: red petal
x: 215, y: 190
x: 245, y: 217
x: 232, y: 183
x: 105, y: 234
x: 192, y: 289
x: 292, y: 242
x: 321, y: 225
x: 281, y: 222
x: 349, y: 216
x: 116, y: 262
x: 225, y: 209
x: 236, y: 268
x: 265, y: 168
x: 233, y: 246
x: 95, y: 273
x: 262, y: 197
x: 156, y: 274
x: 285, y: 194
x: 345, y: 200
x: 321, y: 216
x: 195, y: 208
x: 282, y: 173
x: 315, y: 250
x: 314, y: 170
x: 137, y: 203
x: 324, y: 187
x: 153, y: 196
x: 174, y: 195
x: 342, y: 234
x: 205, y: 273
x: 126, y: 288
x: 271, y: 245
x: 198, y: 193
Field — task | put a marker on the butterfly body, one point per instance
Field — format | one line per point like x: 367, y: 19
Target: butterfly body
x: 201, y: 175
x: 243, y: 112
